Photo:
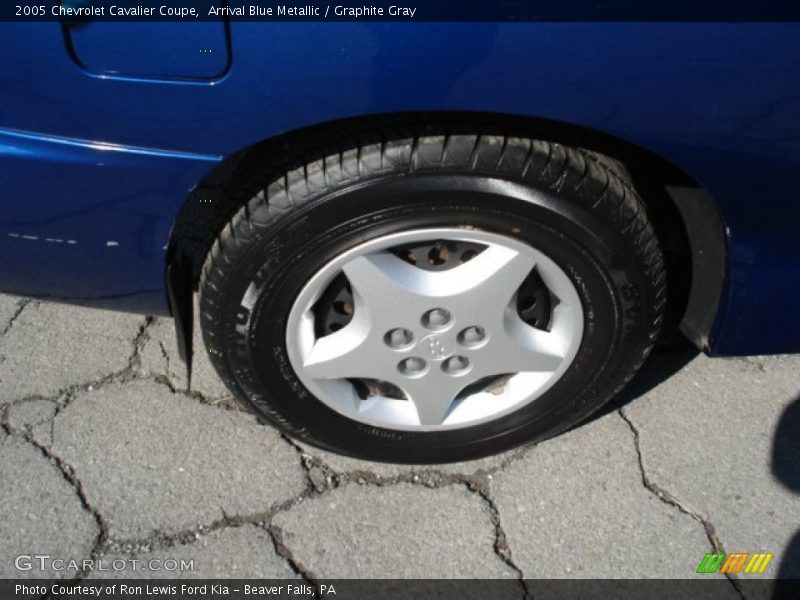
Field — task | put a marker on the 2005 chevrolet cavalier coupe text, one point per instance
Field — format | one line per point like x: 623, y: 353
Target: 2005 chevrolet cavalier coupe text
x: 411, y: 242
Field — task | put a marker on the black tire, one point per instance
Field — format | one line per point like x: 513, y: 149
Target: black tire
x: 577, y: 205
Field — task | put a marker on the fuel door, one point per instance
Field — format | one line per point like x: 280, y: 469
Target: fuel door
x: 157, y: 50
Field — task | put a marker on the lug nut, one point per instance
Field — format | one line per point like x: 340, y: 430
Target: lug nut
x: 471, y: 336
x: 436, y: 318
x: 456, y: 365
x: 398, y: 338
x: 412, y: 366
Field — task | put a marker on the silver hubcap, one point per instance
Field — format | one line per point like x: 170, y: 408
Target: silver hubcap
x: 430, y: 350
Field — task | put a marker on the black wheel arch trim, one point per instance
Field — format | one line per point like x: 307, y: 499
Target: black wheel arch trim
x: 180, y: 293
x: 708, y: 246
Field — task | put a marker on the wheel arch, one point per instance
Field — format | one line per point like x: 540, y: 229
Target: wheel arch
x: 687, y: 221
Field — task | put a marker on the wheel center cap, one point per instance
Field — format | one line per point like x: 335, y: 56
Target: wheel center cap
x: 436, y: 347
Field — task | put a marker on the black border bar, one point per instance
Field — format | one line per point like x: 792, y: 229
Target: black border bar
x: 400, y: 10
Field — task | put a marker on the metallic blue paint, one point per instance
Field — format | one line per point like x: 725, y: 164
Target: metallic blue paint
x: 107, y: 161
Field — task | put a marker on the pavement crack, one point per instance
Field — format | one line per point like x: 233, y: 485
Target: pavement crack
x: 140, y: 339
x: 320, y: 476
x: 121, y: 376
x: 478, y: 482
x: 667, y: 497
x: 430, y: 478
x: 664, y: 495
x: 165, y: 355
x: 160, y: 540
x: 65, y: 395
x: 68, y: 472
x: 172, y: 381
x: 222, y: 403
x: 285, y: 552
x: 424, y: 475
x: 17, y: 312
x: 501, y: 547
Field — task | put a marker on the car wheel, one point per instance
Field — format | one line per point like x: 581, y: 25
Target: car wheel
x: 434, y: 298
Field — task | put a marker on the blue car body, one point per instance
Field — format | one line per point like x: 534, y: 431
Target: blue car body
x: 106, y: 128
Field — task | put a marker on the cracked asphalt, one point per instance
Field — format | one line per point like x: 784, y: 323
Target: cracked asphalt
x: 104, y: 454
